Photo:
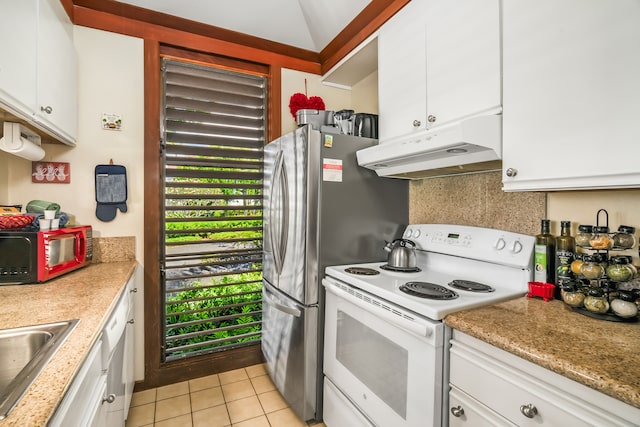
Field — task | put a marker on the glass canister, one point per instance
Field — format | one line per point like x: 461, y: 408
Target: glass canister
x: 601, y: 239
x: 584, y: 236
x: 624, y: 238
x: 572, y: 294
x: 624, y: 305
x: 591, y: 268
x: 619, y: 270
x: 596, y: 301
x: 576, y: 264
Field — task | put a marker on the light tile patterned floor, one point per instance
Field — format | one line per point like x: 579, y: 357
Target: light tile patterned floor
x: 241, y: 398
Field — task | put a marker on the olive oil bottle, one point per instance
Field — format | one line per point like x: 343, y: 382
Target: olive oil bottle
x: 565, y: 254
x: 545, y: 255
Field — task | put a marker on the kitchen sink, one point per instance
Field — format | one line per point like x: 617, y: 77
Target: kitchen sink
x: 24, y: 352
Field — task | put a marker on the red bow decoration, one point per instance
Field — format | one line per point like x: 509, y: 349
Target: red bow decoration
x: 299, y: 101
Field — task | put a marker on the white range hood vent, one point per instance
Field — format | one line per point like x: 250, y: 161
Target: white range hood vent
x: 470, y: 146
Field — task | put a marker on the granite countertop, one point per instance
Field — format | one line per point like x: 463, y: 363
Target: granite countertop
x: 88, y: 294
x: 601, y: 354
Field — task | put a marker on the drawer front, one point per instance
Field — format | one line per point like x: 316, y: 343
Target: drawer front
x: 465, y: 411
x: 513, y: 393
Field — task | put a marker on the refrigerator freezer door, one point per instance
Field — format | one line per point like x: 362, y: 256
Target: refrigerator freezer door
x: 289, y: 345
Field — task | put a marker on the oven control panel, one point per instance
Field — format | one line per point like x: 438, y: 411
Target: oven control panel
x: 487, y: 244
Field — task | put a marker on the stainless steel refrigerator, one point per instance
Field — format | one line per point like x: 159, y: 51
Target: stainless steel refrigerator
x: 320, y: 209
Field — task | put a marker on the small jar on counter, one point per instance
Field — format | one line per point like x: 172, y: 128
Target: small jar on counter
x: 576, y: 264
x: 584, y: 236
x: 624, y: 238
x: 571, y: 294
x: 624, y: 305
x: 596, y: 301
x: 591, y: 268
x: 619, y: 269
x: 601, y: 239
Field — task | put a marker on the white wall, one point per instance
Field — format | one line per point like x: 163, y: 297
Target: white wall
x: 110, y: 73
x: 294, y: 81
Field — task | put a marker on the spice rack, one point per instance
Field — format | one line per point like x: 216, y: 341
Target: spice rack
x: 600, y: 288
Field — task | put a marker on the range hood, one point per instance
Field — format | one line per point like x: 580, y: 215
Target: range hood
x: 469, y: 146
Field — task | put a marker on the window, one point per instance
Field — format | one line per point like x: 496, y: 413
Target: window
x: 213, y: 128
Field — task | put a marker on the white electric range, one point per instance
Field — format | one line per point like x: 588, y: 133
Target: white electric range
x: 385, y: 358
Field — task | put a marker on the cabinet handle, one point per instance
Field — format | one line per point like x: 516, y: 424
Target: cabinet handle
x: 46, y: 109
x: 431, y: 118
x: 109, y: 399
x: 134, y: 290
x: 417, y: 123
x: 457, y: 411
x: 511, y: 172
x: 131, y: 322
x: 529, y: 410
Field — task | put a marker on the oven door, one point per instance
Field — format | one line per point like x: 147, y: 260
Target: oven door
x: 387, y: 361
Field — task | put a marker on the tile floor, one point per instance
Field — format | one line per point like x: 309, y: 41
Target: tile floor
x: 241, y: 398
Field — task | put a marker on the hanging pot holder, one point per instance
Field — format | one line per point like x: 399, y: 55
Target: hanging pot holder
x: 111, y: 191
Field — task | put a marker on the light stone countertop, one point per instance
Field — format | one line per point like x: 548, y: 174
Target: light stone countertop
x: 601, y: 354
x: 88, y: 294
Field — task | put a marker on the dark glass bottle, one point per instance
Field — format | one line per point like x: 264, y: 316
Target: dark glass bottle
x: 545, y: 254
x: 565, y: 254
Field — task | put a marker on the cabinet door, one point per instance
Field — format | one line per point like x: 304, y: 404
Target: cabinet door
x: 571, y: 94
x: 56, y: 72
x: 18, y: 61
x: 463, y: 59
x: 401, y: 73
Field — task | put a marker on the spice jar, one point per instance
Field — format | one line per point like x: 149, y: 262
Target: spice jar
x: 584, y: 236
x: 576, y: 264
x: 591, y: 268
x: 601, y: 239
x: 619, y: 269
x: 624, y: 238
x: 624, y: 305
x: 596, y: 301
x: 571, y: 294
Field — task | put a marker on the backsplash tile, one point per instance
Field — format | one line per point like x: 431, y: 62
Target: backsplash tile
x: 114, y: 249
x: 476, y: 200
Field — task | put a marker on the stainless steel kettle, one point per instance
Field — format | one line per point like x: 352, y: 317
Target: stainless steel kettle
x: 402, y: 254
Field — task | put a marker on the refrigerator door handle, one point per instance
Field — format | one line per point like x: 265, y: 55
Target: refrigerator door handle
x: 281, y: 307
x: 284, y: 238
x: 275, y: 235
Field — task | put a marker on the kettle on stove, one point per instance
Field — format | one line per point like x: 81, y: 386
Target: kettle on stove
x: 402, y: 254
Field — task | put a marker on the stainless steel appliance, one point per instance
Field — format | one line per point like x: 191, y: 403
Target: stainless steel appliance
x: 386, y: 347
x: 320, y: 208
x: 38, y: 256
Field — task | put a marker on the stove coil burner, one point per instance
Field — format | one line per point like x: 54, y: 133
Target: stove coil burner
x: 362, y: 271
x: 468, y: 285
x: 400, y: 269
x: 428, y: 290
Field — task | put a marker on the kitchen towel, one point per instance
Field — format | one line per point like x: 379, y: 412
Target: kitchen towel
x: 111, y: 191
x: 39, y: 206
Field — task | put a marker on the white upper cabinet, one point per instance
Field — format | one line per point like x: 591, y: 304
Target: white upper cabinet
x: 571, y: 94
x: 463, y: 59
x: 38, y: 66
x: 438, y: 62
x: 18, y: 40
x: 402, y: 107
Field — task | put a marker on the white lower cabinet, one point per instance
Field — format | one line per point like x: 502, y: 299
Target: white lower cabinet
x: 101, y: 392
x: 492, y: 387
x: 82, y: 404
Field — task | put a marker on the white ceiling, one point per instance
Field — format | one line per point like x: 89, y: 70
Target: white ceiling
x: 307, y: 24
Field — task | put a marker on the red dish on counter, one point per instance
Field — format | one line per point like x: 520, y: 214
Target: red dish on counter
x: 542, y: 290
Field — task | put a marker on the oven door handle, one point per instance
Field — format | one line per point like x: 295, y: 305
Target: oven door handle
x: 417, y: 326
